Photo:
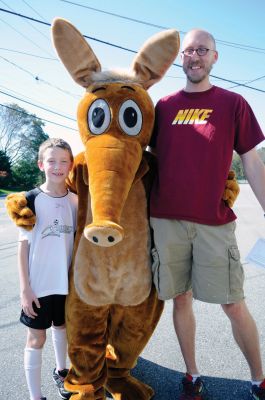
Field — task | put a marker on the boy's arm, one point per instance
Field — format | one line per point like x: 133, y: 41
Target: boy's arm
x: 255, y: 174
x: 26, y: 293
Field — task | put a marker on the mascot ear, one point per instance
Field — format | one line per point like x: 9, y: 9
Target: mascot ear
x: 155, y: 57
x: 74, y: 51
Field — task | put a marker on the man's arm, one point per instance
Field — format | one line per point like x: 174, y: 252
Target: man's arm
x: 26, y: 294
x: 255, y: 174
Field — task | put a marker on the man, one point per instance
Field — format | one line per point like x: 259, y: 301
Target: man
x: 196, y: 252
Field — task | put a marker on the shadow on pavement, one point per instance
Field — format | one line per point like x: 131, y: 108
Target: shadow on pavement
x: 166, y: 383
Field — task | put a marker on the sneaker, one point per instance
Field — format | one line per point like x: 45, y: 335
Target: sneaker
x: 59, y: 381
x: 192, y: 391
x: 258, y: 392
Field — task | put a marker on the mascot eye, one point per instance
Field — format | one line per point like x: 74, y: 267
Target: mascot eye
x: 99, y: 117
x: 130, y: 118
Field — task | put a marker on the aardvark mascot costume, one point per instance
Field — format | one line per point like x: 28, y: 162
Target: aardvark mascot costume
x: 112, y: 308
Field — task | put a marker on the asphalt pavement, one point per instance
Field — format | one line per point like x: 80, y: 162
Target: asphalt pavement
x: 222, y: 366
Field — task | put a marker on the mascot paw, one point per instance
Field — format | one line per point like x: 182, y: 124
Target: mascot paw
x: 231, y: 189
x: 16, y: 205
x: 128, y: 388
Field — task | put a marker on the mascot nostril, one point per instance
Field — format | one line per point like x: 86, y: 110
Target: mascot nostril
x: 101, y: 235
x: 110, y: 239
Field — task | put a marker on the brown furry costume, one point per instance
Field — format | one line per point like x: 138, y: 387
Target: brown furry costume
x: 112, y: 307
x: 111, y: 298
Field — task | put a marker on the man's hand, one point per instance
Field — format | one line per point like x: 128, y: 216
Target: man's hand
x: 231, y: 189
x: 19, y: 212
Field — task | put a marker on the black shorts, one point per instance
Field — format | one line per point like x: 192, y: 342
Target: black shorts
x: 50, y: 313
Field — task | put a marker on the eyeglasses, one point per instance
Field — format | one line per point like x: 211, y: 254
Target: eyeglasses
x: 201, y: 51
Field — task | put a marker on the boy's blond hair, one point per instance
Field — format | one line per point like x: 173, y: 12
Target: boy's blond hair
x: 54, y: 142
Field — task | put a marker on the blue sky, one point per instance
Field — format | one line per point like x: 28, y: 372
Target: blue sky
x: 238, y: 23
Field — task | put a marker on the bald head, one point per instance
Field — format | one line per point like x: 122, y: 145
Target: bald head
x: 200, y: 38
x: 198, y: 57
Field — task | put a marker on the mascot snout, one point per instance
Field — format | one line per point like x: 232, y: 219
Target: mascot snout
x: 112, y: 163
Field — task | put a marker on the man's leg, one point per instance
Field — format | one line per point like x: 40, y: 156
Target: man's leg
x: 174, y: 258
x: 246, y: 335
x: 172, y: 276
x: 185, y: 327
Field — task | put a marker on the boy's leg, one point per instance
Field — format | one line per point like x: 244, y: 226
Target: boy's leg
x: 246, y: 335
x: 59, y: 341
x: 32, y: 361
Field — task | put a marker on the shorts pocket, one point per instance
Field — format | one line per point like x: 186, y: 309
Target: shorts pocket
x: 236, y: 272
x: 155, y: 268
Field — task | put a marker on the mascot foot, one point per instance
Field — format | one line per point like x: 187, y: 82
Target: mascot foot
x: 87, y: 396
x: 129, y: 388
x: 84, y: 392
x: 83, y: 396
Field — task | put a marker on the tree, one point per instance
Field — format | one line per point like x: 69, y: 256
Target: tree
x: 20, y: 133
x: 26, y: 175
x: 237, y: 166
x: 5, y: 169
x: 261, y: 152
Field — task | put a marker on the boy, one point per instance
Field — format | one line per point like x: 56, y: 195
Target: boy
x: 44, y: 256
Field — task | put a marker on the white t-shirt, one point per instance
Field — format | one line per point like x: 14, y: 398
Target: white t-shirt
x: 51, y: 242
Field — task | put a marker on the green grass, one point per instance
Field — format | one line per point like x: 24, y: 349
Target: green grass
x: 7, y: 191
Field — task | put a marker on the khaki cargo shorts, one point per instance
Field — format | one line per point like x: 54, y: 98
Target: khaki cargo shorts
x: 203, y: 258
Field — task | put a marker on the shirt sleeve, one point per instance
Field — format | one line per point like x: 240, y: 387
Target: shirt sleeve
x: 248, y: 131
x: 23, y: 234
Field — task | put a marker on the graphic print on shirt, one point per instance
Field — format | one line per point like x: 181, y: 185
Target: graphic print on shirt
x: 56, y: 229
x: 192, y: 116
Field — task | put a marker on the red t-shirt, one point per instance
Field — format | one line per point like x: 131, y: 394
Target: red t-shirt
x: 194, y: 137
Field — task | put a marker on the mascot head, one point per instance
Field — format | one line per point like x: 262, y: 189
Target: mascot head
x: 115, y: 120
